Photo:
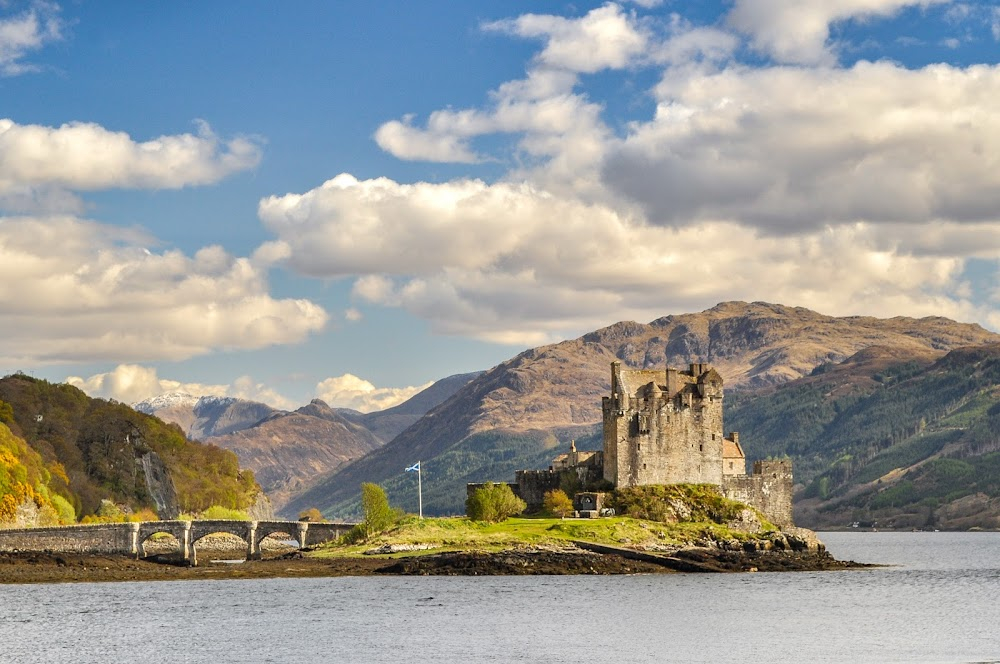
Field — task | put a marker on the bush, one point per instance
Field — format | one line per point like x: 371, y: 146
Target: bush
x: 675, y: 503
x: 215, y: 513
x: 556, y: 502
x: 493, y: 503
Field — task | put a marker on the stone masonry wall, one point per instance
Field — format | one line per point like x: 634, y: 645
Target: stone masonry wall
x: 532, y: 484
x: 769, y: 489
x: 91, y: 538
x: 657, y: 437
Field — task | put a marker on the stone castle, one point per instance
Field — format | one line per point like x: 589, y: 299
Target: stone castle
x: 665, y: 427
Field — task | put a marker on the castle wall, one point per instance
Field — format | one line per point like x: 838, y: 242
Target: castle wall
x: 768, y: 488
x: 657, y: 437
x: 531, y: 486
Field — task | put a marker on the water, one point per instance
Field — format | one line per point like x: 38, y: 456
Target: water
x: 938, y: 604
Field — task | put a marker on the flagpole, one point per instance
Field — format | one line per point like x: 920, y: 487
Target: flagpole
x: 420, y: 493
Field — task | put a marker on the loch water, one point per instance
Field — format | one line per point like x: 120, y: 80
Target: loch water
x: 939, y: 601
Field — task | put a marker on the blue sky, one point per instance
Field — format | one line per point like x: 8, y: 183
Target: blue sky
x: 348, y: 200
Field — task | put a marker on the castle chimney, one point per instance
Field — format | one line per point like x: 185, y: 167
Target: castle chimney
x: 673, y: 384
x: 734, y: 436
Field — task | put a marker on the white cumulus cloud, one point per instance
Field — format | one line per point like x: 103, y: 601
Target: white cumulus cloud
x: 46, y: 162
x: 131, y: 383
x: 787, y: 148
x: 27, y: 32
x: 350, y: 391
x: 798, y: 31
x: 513, y: 264
x: 73, y: 290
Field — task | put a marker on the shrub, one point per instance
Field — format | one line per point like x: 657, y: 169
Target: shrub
x: 218, y: 512
x: 493, y: 503
x: 673, y: 503
x: 557, y: 502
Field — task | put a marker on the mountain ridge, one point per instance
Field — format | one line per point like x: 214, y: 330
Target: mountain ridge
x: 558, y: 388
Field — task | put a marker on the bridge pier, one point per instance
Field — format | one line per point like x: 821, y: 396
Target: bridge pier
x: 253, y: 550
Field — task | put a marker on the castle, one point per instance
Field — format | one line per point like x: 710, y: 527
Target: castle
x: 665, y: 427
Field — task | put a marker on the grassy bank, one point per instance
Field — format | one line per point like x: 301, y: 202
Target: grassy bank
x: 461, y: 534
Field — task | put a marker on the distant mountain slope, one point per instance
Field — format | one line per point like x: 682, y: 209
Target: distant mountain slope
x: 511, y: 412
x: 389, y: 423
x: 289, y: 450
x: 203, y: 417
x: 908, y: 441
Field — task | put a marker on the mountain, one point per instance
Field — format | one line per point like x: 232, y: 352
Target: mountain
x: 287, y: 451
x: 389, y: 423
x: 203, y: 417
x: 904, y: 440
x: 520, y: 412
x: 68, y: 451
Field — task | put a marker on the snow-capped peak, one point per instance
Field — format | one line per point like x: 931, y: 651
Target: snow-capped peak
x: 166, y: 400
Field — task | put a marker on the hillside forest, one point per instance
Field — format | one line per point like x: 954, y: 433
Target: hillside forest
x: 66, y: 457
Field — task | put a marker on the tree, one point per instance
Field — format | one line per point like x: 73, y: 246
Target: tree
x: 378, y: 516
x: 493, y: 503
x: 312, y: 514
x: 557, y: 502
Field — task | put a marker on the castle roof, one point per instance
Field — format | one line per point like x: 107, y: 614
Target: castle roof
x: 731, y: 449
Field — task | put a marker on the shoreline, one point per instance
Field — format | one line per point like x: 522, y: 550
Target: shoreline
x: 29, y: 568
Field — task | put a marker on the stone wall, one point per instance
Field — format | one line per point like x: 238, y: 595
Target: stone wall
x: 768, y: 488
x: 531, y: 486
x: 91, y: 538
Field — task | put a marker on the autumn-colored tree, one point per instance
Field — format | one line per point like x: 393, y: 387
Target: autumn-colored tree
x: 311, y: 514
x: 557, y: 502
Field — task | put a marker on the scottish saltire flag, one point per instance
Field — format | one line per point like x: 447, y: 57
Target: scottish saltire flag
x: 415, y: 467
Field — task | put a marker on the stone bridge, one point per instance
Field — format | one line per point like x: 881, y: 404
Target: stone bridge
x: 130, y: 538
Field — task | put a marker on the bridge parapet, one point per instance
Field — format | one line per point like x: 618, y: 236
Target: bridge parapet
x: 82, y: 538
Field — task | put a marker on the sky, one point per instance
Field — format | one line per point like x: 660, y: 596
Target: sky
x: 348, y: 201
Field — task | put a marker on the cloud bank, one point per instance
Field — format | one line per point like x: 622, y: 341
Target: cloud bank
x: 851, y: 189
x: 131, y: 383
x: 73, y: 290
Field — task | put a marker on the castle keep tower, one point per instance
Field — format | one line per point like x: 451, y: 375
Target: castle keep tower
x: 665, y: 427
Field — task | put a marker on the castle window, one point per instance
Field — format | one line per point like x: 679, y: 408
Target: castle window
x: 638, y: 446
x: 644, y: 466
x: 713, y: 436
x: 730, y: 465
x: 701, y: 448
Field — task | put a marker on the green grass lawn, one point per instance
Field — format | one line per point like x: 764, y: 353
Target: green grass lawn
x: 461, y: 534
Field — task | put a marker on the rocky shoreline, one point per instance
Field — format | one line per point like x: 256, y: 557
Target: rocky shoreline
x: 58, y: 568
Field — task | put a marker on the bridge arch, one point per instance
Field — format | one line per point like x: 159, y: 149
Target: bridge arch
x: 296, y: 530
x: 146, y: 529
x: 245, y: 530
